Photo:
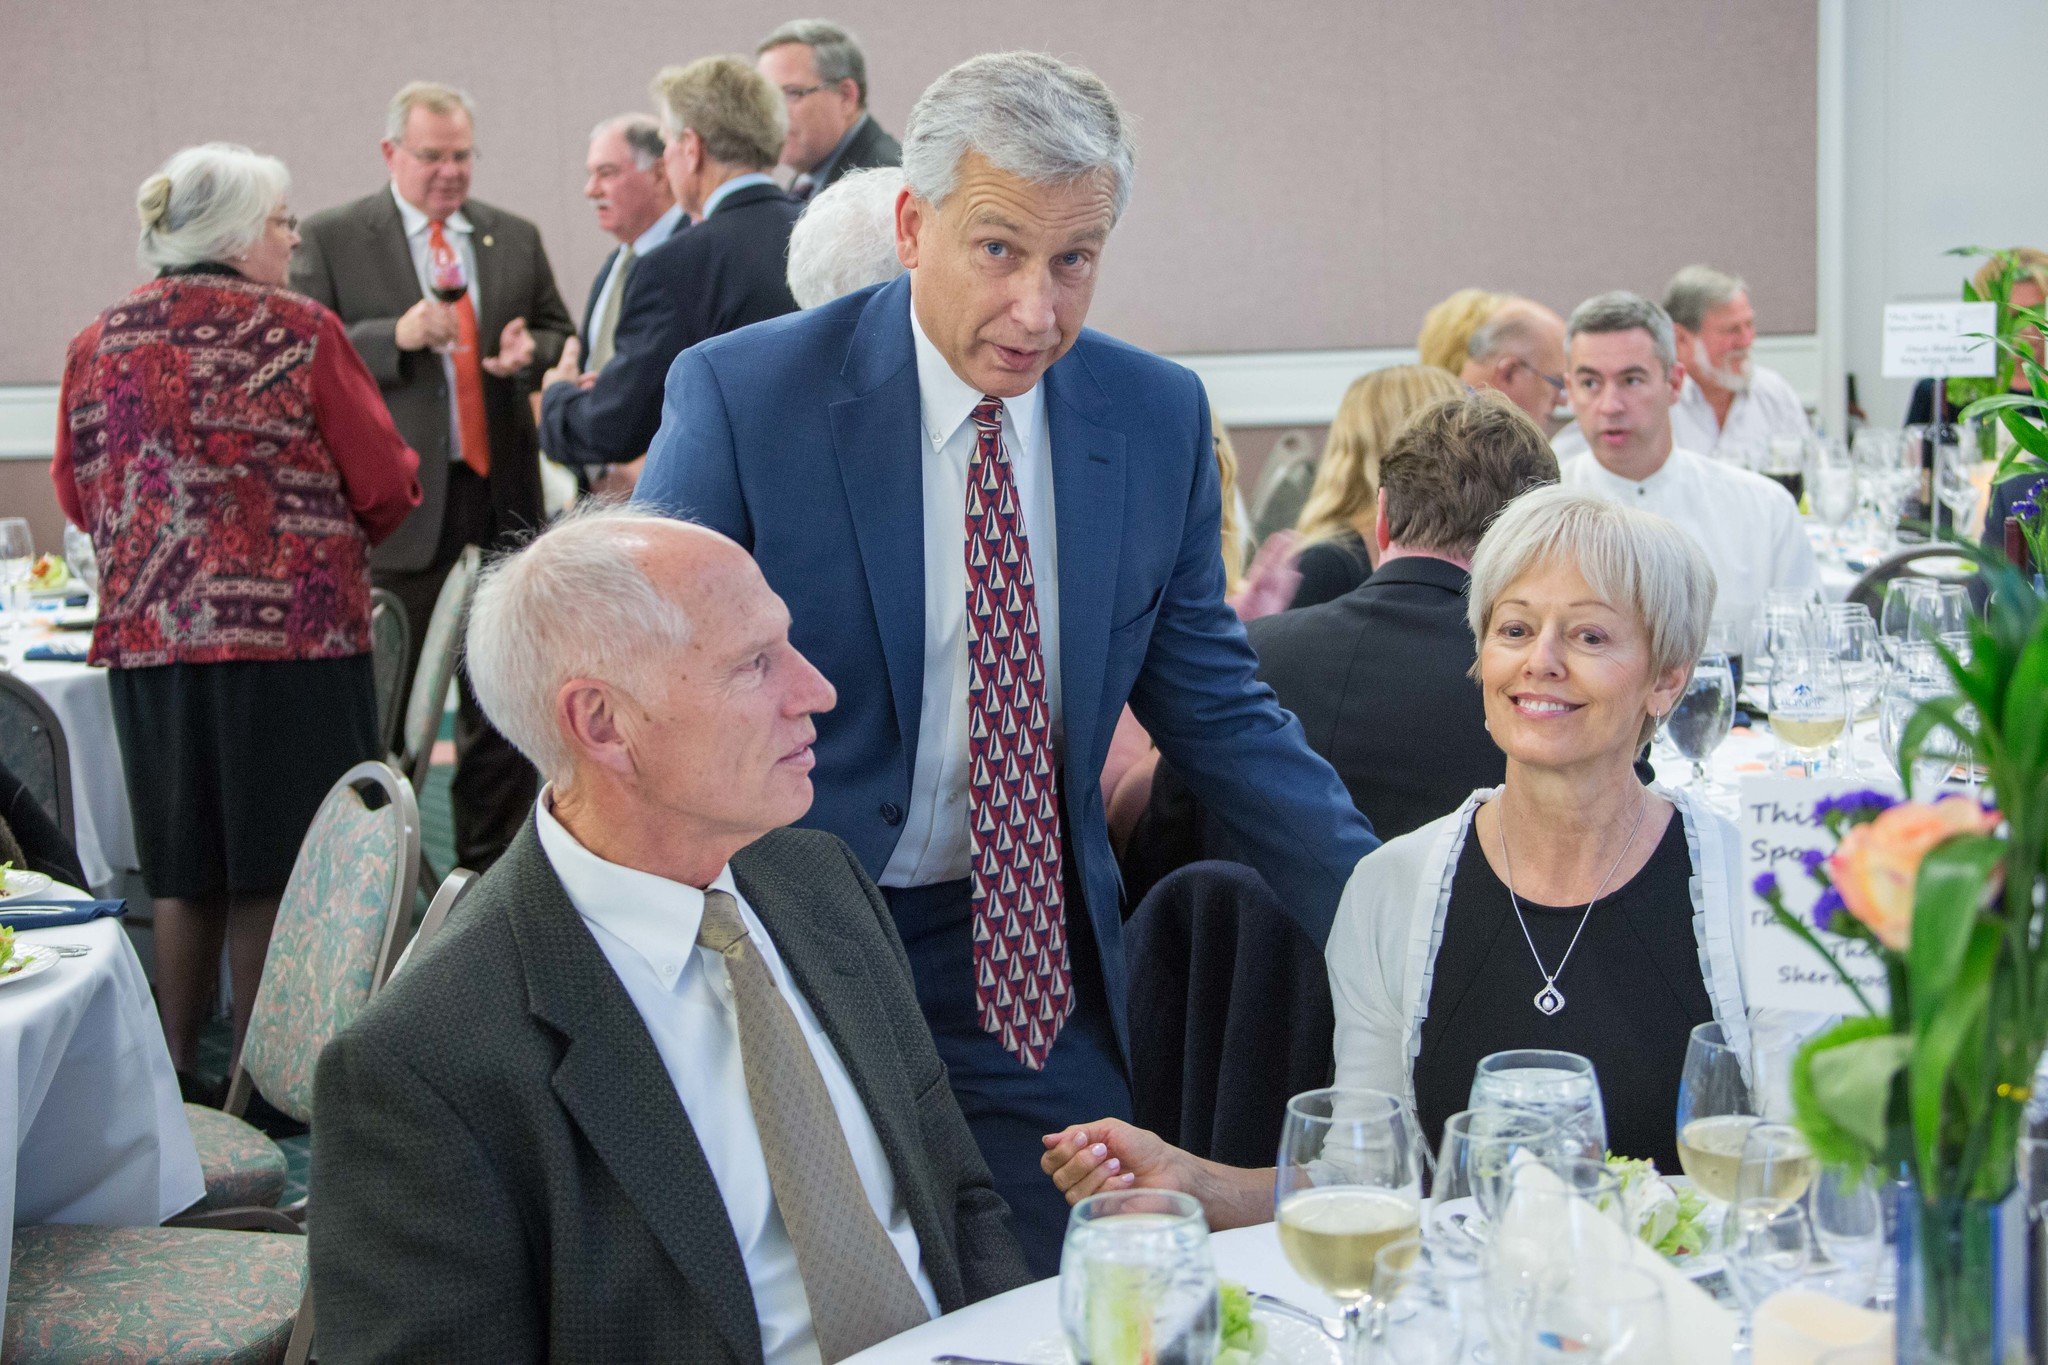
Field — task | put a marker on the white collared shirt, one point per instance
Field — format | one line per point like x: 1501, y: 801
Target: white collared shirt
x: 458, y: 230
x: 1748, y: 525
x: 738, y: 182
x: 935, y: 845
x: 662, y: 229
x: 646, y: 927
x: 1770, y: 408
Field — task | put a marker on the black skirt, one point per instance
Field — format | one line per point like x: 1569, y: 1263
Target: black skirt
x: 227, y: 764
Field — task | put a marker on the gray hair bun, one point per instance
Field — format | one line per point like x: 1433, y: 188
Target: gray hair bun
x: 153, y: 200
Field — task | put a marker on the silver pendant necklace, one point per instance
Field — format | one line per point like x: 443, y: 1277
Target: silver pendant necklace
x: 1550, y: 999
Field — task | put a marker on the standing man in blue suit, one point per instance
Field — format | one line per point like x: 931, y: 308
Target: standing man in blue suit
x: 995, y: 528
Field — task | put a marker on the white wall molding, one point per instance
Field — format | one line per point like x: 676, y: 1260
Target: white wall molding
x: 1251, y: 389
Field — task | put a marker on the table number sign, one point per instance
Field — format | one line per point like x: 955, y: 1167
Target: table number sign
x: 1779, y: 835
x: 1923, y: 339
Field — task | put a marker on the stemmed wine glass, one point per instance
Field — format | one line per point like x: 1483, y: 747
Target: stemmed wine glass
x: 1700, y: 719
x: 1138, y: 1280
x: 1852, y: 639
x: 1809, y: 705
x: 1481, y: 1148
x: 449, y: 281
x: 1349, y: 1183
x: 1831, y: 486
x: 1918, y: 676
x: 1716, y: 1110
x: 81, y: 558
x: 1961, y: 477
x: 1561, y: 1086
x: 17, y: 557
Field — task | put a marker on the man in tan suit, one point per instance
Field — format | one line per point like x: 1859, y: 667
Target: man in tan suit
x: 456, y: 376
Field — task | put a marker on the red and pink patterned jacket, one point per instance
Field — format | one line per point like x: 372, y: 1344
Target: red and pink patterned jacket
x: 233, y: 460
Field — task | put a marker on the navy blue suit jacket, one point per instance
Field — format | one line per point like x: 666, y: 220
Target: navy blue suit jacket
x: 725, y: 272
x: 800, y: 439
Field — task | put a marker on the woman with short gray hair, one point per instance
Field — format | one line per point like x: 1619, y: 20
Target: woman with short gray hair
x: 233, y: 460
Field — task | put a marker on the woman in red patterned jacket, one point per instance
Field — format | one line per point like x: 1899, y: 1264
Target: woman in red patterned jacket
x: 233, y: 460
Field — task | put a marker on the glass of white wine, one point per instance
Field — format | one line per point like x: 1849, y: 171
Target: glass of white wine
x: 1138, y: 1281
x: 1776, y: 1163
x: 1349, y: 1183
x: 1809, y: 704
x: 1715, y: 1112
x: 1560, y: 1086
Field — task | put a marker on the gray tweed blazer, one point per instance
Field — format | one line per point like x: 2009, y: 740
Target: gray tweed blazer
x: 502, y: 1169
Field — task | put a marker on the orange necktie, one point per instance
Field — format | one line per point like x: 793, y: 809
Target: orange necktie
x: 471, y: 425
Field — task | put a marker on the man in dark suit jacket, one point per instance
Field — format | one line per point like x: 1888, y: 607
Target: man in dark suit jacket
x: 369, y: 261
x: 823, y: 76
x: 723, y: 129
x: 535, y: 1143
x: 851, y: 448
x: 1381, y: 677
x: 628, y: 190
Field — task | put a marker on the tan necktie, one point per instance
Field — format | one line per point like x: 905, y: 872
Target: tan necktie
x: 608, y: 316
x: 858, y: 1290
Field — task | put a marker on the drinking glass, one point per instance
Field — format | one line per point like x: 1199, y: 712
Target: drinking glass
x: 1715, y: 1112
x: 1138, y: 1281
x: 1422, y: 1313
x: 1789, y: 625
x: 449, y: 281
x: 1349, y: 1183
x: 1918, y: 676
x: 1785, y: 465
x: 1852, y: 638
x: 1962, y: 478
x: 1544, y: 1232
x: 1846, y: 1208
x: 1905, y: 608
x: 1809, y: 705
x: 1831, y: 486
x: 1768, y: 1246
x: 1589, y: 1179
x: 1700, y: 719
x: 1777, y: 1163
x: 17, y: 557
x: 1480, y: 1147
x: 1605, y: 1311
x: 79, y: 555
x: 1560, y: 1086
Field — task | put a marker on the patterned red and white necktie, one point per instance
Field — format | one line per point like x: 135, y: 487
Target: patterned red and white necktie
x: 1023, y: 984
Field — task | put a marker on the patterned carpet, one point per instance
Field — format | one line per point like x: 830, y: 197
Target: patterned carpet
x: 438, y: 835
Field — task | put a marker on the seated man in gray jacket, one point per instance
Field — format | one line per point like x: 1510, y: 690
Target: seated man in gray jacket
x: 661, y: 1089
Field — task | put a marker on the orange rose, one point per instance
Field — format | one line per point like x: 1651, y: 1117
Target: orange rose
x: 1877, y: 864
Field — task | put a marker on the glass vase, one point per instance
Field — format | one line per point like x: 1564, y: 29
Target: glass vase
x: 1962, y: 1280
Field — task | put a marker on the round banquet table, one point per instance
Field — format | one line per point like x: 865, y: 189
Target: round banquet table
x: 105, y: 832
x: 91, y: 1126
x: 1024, y: 1324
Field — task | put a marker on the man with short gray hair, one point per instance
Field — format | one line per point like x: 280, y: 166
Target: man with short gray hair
x: 1519, y: 352
x: 1729, y: 404
x: 823, y: 76
x: 846, y: 239
x: 629, y: 192
x: 994, y: 528
x: 1625, y: 377
x: 660, y: 1089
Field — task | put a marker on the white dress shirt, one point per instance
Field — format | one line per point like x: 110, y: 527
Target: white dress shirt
x: 1770, y: 408
x: 647, y: 928
x: 935, y: 846
x: 417, y: 239
x: 738, y: 182
x: 664, y: 227
x: 1748, y: 525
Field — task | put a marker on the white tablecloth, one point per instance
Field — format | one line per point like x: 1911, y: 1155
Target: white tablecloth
x: 91, y: 1127
x: 1024, y: 1324
x: 99, y: 791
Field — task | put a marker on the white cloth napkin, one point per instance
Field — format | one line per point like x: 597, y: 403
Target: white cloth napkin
x: 1799, y: 1326
x: 1702, y: 1332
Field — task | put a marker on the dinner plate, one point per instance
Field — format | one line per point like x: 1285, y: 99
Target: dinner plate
x: 1463, y: 1216
x: 19, y: 881
x: 1288, y: 1342
x: 35, y: 959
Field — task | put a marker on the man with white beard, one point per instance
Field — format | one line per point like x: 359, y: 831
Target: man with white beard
x: 1729, y: 406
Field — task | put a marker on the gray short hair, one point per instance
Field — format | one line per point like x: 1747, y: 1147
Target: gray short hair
x: 1026, y: 113
x: 1509, y: 330
x: 1639, y: 562
x: 574, y: 602
x: 432, y: 96
x: 1697, y: 291
x: 1621, y: 311
x: 834, y: 51
x: 846, y: 239
x: 642, y: 133
x: 208, y: 203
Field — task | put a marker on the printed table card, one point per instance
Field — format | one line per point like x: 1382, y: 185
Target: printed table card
x: 1780, y: 836
x: 1922, y: 339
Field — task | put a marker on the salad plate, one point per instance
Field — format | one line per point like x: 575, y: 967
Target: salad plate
x: 1252, y: 1335
x: 19, y: 881
x: 27, y: 960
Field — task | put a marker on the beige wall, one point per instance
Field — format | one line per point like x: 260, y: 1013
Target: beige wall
x: 1311, y: 175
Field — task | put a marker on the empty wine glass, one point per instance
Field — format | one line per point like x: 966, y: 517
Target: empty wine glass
x: 1905, y: 608
x: 1846, y: 1209
x: 1852, y: 638
x: 1480, y: 1147
x: 1831, y: 486
x: 1605, y: 1311
x: 1544, y: 1231
x: 1918, y: 676
x: 1962, y: 478
x: 1809, y: 705
x: 1768, y: 1246
x: 1422, y: 1316
x: 1138, y: 1280
x: 1701, y: 717
x: 1715, y: 1112
x: 80, y: 557
x: 1349, y: 1183
x: 1561, y: 1086
x: 17, y: 557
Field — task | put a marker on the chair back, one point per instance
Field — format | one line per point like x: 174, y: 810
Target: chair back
x: 390, y: 654
x: 1283, y: 485
x: 337, y: 929
x: 452, y: 889
x: 436, y: 671
x: 33, y: 748
x: 1937, y: 561
x: 1230, y: 1013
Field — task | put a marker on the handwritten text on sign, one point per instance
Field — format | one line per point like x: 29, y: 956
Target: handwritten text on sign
x: 1922, y: 339
x: 1779, y: 969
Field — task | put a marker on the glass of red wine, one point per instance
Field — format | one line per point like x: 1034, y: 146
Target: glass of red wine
x: 448, y: 284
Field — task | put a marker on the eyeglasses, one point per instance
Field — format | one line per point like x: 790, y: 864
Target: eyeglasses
x: 466, y: 156
x: 1556, y: 381
x: 793, y: 93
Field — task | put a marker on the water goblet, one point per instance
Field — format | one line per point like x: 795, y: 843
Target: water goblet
x: 1138, y: 1280
x: 1559, y: 1085
x: 1700, y: 719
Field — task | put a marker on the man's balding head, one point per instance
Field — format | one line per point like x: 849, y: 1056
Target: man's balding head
x: 1519, y: 351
